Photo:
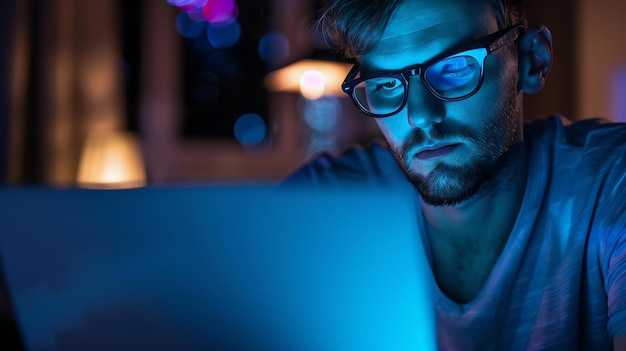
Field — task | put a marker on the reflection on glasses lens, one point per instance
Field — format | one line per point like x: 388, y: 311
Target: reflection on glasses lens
x: 448, y: 78
x: 454, y: 77
x: 451, y: 78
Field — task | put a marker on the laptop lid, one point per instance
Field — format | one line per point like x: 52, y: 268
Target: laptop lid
x: 215, y: 267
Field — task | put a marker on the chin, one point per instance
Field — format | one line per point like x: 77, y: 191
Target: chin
x: 448, y: 185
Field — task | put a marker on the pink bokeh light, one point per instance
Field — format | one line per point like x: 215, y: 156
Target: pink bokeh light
x: 187, y: 5
x: 220, y: 11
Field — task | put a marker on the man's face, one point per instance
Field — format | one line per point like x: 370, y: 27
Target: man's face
x: 447, y: 149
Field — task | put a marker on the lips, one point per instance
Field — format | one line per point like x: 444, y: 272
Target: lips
x: 436, y: 150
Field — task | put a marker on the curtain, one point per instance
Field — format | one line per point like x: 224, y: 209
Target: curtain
x: 63, y: 75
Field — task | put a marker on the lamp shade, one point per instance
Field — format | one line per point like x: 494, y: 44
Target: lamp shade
x: 111, y: 161
x: 314, y: 76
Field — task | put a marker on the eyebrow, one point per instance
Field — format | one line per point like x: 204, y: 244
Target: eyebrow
x: 388, y: 45
x: 459, y: 44
x: 365, y: 68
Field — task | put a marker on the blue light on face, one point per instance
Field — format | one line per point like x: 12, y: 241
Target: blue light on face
x: 250, y: 129
x: 224, y: 35
x: 274, y: 48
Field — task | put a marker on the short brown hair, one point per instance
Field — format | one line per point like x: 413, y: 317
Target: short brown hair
x: 354, y: 25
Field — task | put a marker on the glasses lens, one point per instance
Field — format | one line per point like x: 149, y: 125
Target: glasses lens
x: 455, y: 76
x: 379, y: 96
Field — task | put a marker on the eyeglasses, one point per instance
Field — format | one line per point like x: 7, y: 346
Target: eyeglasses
x: 451, y: 76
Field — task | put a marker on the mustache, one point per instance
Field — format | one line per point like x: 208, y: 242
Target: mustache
x: 438, y: 132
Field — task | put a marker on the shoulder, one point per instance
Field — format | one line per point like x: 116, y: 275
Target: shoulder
x: 584, y: 134
x: 590, y: 147
x: 584, y: 161
x: 587, y: 164
x: 370, y: 165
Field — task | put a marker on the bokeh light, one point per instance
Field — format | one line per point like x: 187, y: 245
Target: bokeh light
x: 187, y: 4
x: 322, y: 114
x: 274, y: 48
x: 189, y: 28
x: 196, y: 15
x: 312, y: 84
x: 220, y: 11
x: 250, y: 129
x: 214, y: 33
x: 224, y: 35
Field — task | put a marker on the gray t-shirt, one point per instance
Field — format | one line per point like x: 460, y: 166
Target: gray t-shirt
x: 560, y: 281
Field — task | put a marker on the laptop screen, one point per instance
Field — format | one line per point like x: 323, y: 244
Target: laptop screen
x: 215, y: 267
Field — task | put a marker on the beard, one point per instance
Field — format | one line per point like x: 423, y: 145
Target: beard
x: 450, y: 185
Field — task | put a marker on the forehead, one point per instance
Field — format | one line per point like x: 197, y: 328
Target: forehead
x: 420, y: 29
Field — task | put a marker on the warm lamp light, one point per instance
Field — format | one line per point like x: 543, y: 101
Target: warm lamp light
x: 111, y: 161
x: 290, y: 78
x: 312, y: 84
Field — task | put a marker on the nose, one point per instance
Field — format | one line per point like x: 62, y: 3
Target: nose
x: 423, y: 108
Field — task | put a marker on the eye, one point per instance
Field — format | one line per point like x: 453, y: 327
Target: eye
x: 383, y: 88
x: 389, y: 85
x: 386, y: 85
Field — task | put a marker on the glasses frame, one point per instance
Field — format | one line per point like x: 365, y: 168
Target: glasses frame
x: 490, y: 43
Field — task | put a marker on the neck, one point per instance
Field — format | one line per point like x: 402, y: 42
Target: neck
x: 491, y: 212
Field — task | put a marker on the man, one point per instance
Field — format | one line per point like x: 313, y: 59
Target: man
x: 525, y: 225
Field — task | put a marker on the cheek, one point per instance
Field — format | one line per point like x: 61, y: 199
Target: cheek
x: 392, y: 129
x: 472, y: 113
x: 504, y: 80
x: 490, y: 101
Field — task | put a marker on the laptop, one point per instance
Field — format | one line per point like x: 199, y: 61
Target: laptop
x: 212, y: 267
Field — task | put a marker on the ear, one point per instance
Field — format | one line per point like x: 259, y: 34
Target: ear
x: 535, y: 58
